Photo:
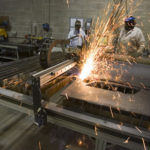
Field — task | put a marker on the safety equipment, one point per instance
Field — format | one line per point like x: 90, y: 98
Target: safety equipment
x: 77, y: 25
x: 131, y: 18
x: 130, y: 23
x: 132, y: 42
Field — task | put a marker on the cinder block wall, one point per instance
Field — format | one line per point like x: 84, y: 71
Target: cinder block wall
x: 23, y: 13
x: 61, y: 13
x: 143, y: 19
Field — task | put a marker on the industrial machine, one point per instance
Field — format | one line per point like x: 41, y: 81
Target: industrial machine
x: 110, y: 111
x: 29, y: 46
x: 56, y: 52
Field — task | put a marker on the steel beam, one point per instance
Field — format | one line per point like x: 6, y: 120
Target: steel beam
x: 17, y: 97
x: 97, y: 121
x: 85, y: 125
x: 55, y: 71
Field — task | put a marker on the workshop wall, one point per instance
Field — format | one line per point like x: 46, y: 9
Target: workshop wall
x: 61, y: 13
x: 25, y: 14
x: 18, y: 12
x: 143, y: 19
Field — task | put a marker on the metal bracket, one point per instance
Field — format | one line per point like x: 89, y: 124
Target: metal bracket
x: 39, y: 112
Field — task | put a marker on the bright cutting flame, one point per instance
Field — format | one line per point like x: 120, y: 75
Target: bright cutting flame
x: 87, y: 68
x: 101, y: 41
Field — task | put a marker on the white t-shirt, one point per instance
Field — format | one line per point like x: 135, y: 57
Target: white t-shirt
x: 77, y: 41
x: 133, y: 40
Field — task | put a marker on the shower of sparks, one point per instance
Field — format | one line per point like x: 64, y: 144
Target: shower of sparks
x: 127, y: 140
x: 95, y: 60
x: 18, y: 84
x: 144, y: 143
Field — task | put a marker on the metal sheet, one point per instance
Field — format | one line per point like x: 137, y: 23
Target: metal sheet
x: 138, y: 103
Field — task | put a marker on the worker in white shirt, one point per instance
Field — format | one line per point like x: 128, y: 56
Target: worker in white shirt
x: 131, y: 38
x: 76, y: 36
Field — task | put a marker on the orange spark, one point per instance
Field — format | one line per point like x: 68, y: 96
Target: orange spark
x: 127, y: 140
x: 144, y: 143
x: 80, y: 143
x: 111, y: 112
x: 40, y: 146
x: 143, y: 85
x: 119, y: 126
x: 67, y: 96
x: 138, y: 129
x: 68, y: 146
x: 96, y: 131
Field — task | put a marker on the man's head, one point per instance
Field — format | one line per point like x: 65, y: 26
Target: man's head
x: 130, y: 23
x: 77, y: 25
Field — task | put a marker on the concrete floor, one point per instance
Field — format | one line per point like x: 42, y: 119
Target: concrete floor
x: 18, y: 132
